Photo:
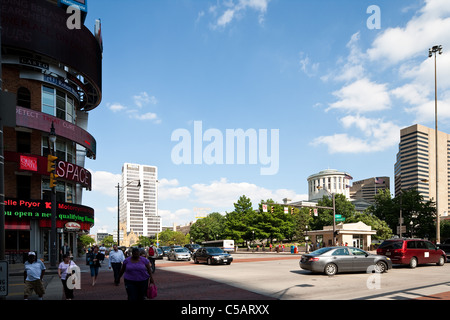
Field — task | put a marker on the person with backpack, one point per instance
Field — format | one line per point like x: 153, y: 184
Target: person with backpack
x: 152, y: 255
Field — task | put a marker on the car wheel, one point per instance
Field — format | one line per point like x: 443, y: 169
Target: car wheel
x: 413, y: 263
x: 380, y: 267
x: 330, y: 269
x: 441, y: 261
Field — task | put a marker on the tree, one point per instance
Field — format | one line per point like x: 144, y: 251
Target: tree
x: 237, y: 224
x: 418, y: 215
x: 108, y: 241
x: 209, y: 228
x: 383, y: 230
x: 86, y: 241
x: 169, y: 237
x: 325, y: 216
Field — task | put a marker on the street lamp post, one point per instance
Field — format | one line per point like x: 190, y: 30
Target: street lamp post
x: 51, y: 146
x: 118, y: 205
x: 434, y: 50
x: 334, y: 213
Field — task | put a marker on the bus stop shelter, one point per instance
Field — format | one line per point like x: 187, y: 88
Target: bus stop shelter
x: 357, y: 234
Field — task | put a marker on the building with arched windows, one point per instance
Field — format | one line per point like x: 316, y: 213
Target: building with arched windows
x: 55, y: 73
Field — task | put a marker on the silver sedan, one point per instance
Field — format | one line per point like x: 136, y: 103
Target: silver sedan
x: 179, y: 254
x: 331, y: 260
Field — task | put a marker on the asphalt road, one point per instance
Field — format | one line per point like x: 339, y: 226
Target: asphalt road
x: 265, y: 276
x: 285, y: 280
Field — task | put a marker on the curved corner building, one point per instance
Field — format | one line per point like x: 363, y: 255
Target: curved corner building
x: 54, y: 71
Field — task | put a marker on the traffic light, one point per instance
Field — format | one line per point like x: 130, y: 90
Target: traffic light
x: 51, y: 167
x: 271, y: 209
x: 292, y: 210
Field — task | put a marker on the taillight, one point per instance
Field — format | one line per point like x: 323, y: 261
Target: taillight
x: 399, y: 251
x: 313, y: 259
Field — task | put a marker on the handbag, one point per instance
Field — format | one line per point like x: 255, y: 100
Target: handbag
x: 152, y: 292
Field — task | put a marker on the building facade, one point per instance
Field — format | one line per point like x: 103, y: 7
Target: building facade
x: 415, y: 167
x: 327, y: 182
x: 55, y: 76
x: 367, y: 189
x: 138, y: 200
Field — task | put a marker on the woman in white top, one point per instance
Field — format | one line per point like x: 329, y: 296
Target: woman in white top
x: 65, y: 271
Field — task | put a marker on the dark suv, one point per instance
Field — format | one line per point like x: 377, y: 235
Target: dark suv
x: 412, y: 252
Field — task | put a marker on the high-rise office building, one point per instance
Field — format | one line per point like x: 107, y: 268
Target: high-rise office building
x: 139, y: 200
x: 416, y: 164
x: 367, y: 189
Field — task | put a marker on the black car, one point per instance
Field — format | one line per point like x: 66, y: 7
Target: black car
x: 212, y: 255
x: 192, y: 247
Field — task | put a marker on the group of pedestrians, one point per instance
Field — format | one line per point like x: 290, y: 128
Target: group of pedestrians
x: 136, y: 270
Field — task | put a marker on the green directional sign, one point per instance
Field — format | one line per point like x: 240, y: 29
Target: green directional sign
x: 340, y: 219
x: 338, y: 216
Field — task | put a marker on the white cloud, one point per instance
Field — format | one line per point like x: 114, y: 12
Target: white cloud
x: 235, y: 10
x: 143, y: 99
x: 105, y: 182
x: 362, y: 96
x: 116, y: 107
x: 378, y: 135
x: 428, y: 28
x: 140, y: 100
x: 223, y: 194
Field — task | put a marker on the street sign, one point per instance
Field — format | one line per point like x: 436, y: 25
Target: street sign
x: 403, y: 229
x: 340, y: 219
x: 3, y: 278
x: 338, y: 216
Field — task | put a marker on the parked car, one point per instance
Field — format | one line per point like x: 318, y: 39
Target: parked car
x: 412, y: 252
x: 160, y: 253
x: 192, y: 247
x: 331, y: 260
x: 165, y: 250
x: 212, y: 255
x: 179, y: 254
x: 445, y: 246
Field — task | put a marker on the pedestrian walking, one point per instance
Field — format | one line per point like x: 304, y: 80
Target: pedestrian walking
x: 102, y: 251
x: 94, y: 264
x: 152, y: 255
x: 65, y: 249
x: 33, y: 276
x: 65, y: 269
x: 116, y: 259
x: 136, y: 273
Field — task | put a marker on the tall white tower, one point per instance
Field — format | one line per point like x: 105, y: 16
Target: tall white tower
x: 139, y: 199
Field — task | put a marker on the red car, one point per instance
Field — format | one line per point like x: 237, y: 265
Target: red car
x: 412, y: 252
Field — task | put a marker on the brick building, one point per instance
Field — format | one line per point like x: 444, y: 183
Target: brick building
x: 55, y: 74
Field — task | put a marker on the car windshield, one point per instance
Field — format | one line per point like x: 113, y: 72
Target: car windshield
x: 214, y: 250
x: 195, y: 246
x: 321, y: 251
x: 179, y: 250
x: 391, y: 245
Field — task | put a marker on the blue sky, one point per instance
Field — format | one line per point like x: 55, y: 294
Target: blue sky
x: 336, y: 91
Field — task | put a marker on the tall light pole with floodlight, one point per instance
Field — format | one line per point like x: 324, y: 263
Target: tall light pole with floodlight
x: 435, y: 50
